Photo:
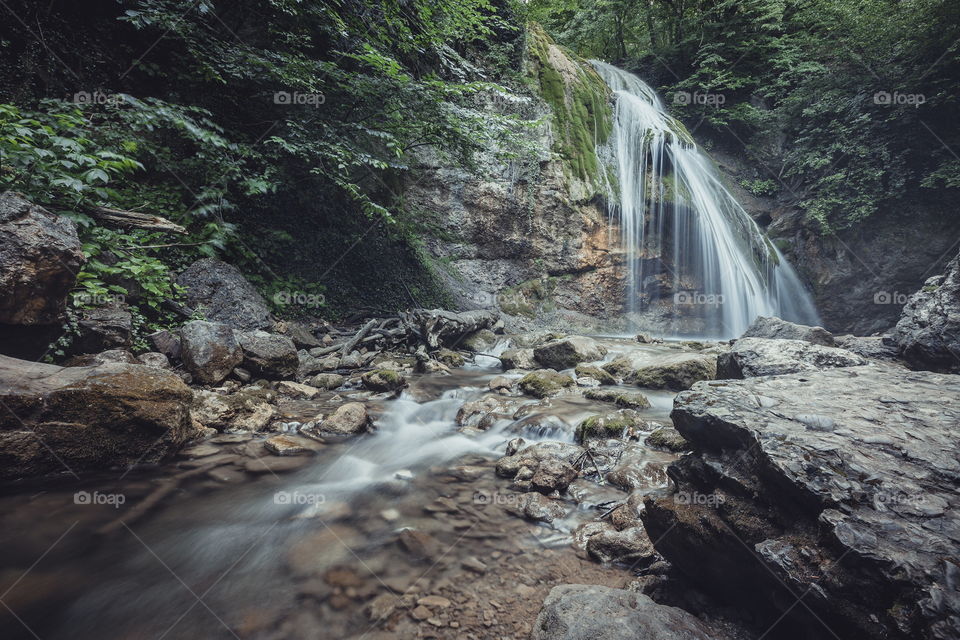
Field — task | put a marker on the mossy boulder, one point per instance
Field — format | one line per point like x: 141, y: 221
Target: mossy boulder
x: 450, y: 358
x: 678, y: 373
x: 383, y: 380
x: 544, y: 383
x: 595, y: 372
x: 327, y: 381
x: 518, y: 359
x: 609, y: 425
x: 623, y: 399
x: 568, y: 352
x: 667, y: 438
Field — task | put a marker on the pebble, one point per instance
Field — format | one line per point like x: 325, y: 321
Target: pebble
x: 390, y: 515
x: 473, y: 564
x: 434, y: 601
x: 421, y: 613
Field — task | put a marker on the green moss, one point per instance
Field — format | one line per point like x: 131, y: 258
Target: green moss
x: 623, y: 399
x: 667, y: 438
x: 608, y: 425
x: 544, y: 383
x: 581, y: 108
x: 595, y: 372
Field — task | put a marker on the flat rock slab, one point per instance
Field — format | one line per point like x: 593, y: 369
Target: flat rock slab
x: 842, y: 483
x: 593, y: 612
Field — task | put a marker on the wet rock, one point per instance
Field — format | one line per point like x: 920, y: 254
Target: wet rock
x: 552, y: 474
x: 501, y: 383
x: 383, y: 380
x: 220, y: 292
x: 518, y: 359
x: 57, y: 419
x: 568, y: 352
x: 667, y: 438
x: 450, y: 358
x: 40, y: 256
x: 859, y: 516
x: 472, y: 563
x: 327, y: 381
x: 348, y: 419
x: 284, y: 445
x: 103, y: 328
x: 638, y: 468
x: 254, y: 418
x: 296, y: 389
x: 484, y: 412
x: 873, y: 347
x: 479, y: 341
x: 629, y: 545
x: 754, y: 357
x: 154, y: 359
x: 928, y: 332
x: 166, y: 342
x: 544, y: 383
x: 617, y: 424
x: 209, y: 351
x: 593, y: 612
x: 421, y: 546
x: 775, y: 328
x: 300, y: 333
x: 623, y: 399
x: 540, y: 508
x: 595, y: 372
x: 677, y: 372
x: 268, y: 355
x: 508, y: 466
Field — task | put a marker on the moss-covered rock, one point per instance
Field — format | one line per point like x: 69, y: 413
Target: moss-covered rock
x: 479, y: 341
x: 595, y: 372
x: 678, y: 374
x: 609, y: 425
x: 623, y: 399
x: 518, y: 359
x: 327, y: 381
x: 450, y: 358
x: 667, y: 438
x: 544, y: 383
x: 568, y: 352
x: 383, y: 380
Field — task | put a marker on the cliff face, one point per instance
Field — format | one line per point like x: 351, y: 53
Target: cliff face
x: 531, y: 236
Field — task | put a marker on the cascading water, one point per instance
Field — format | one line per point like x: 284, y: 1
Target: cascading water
x: 688, y: 241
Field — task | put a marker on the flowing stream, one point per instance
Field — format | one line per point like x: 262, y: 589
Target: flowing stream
x: 688, y: 241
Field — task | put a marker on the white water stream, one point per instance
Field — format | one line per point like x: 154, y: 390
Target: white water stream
x: 679, y: 223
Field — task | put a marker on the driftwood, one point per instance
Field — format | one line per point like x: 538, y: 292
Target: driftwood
x: 437, y: 327
x: 360, y: 335
x: 136, y: 219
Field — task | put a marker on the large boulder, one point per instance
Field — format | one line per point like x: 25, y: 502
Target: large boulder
x: 75, y: 419
x: 268, y: 355
x: 103, y: 328
x: 544, y: 383
x: 675, y: 372
x: 40, y: 257
x: 594, y: 612
x: 928, y: 333
x: 568, y: 352
x: 842, y: 485
x: 778, y: 329
x: 754, y: 357
x: 220, y: 292
x: 518, y: 359
x: 210, y: 351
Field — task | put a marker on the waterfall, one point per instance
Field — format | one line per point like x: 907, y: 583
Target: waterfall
x: 697, y: 264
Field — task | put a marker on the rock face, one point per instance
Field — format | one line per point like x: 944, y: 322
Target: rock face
x: 268, y: 355
x: 928, y: 333
x: 40, y: 256
x: 220, y: 292
x: 753, y: 357
x: 568, y: 352
x: 593, y: 612
x: 764, y: 327
x: 209, y: 351
x: 841, y: 485
x: 61, y: 420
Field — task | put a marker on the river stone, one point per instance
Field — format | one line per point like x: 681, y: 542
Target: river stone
x: 568, y: 352
x: 60, y: 419
x: 776, y: 328
x: 327, y: 381
x: 154, y: 359
x: 518, y: 359
x: 268, y: 355
x: 544, y: 383
x: 348, y: 419
x: 928, y: 332
x: 623, y: 399
x: 220, y: 292
x: 595, y: 372
x: 594, y: 612
x: 754, y: 357
x: 383, y: 380
x: 209, y: 351
x: 676, y: 372
x: 878, y: 489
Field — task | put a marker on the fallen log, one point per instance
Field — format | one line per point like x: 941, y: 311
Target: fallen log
x: 360, y: 335
x: 436, y: 327
x: 136, y: 219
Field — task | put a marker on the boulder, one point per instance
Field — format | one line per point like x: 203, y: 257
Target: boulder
x: 568, y: 352
x: 349, y: 419
x: 873, y: 347
x: 479, y: 341
x: 268, y: 355
x: 623, y: 399
x: 595, y: 372
x: 594, y: 612
x: 775, y: 328
x: 74, y: 419
x: 928, y: 332
x: 544, y: 383
x: 383, y: 380
x: 220, y: 292
x: 676, y: 372
x: 754, y: 357
x: 103, y: 328
x: 327, y: 381
x: 839, y: 484
x: 667, y: 438
x: 518, y: 359
x: 539, y: 508
x: 167, y: 343
x: 154, y: 359
x: 209, y: 351
x: 40, y: 256
x: 628, y: 545
x: 616, y: 424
